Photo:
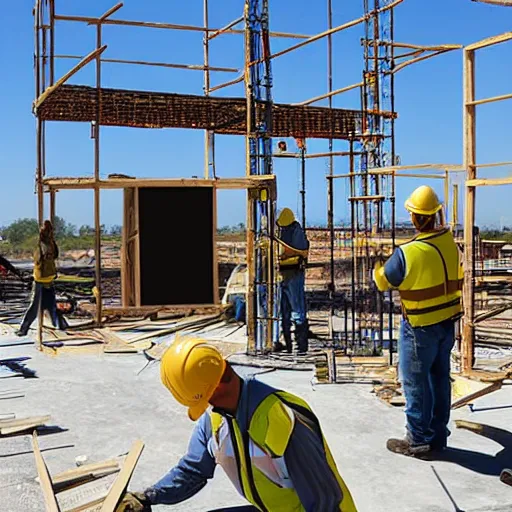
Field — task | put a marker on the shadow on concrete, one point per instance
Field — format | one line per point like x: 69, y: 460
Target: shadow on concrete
x: 481, y: 462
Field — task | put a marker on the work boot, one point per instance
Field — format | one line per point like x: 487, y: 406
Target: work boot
x: 301, y: 337
x: 405, y: 447
x: 288, y: 340
x: 506, y: 476
x: 278, y: 347
x: 21, y: 333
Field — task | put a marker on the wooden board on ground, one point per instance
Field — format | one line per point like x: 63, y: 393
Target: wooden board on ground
x: 21, y: 425
x: 122, y: 480
x: 85, y: 496
x: 44, y: 478
x: 82, y: 474
x: 465, y: 390
x: 115, y: 344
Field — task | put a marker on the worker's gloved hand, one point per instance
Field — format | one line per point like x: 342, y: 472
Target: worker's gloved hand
x: 134, y: 502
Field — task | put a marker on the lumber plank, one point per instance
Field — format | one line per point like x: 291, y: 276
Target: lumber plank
x: 122, y: 480
x: 22, y: 424
x: 477, y: 394
x: 93, y: 470
x: 44, y: 478
x: 85, y: 496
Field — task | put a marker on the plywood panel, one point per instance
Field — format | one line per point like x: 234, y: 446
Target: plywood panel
x: 176, y: 242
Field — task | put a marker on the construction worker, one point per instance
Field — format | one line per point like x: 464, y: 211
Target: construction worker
x: 268, y: 442
x: 45, y: 272
x: 427, y: 272
x: 293, y: 252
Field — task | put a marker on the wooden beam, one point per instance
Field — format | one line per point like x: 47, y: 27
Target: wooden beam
x: 331, y: 31
x: 109, y: 13
x: 22, y: 425
x: 193, y: 67
x: 89, y: 471
x: 44, y: 478
x: 482, y: 182
x: 169, y: 26
x: 477, y: 394
x: 489, y: 41
x: 468, y: 338
x: 121, y: 183
x: 417, y: 59
x: 491, y: 100
x: 331, y: 94
x: 122, y: 480
x: 136, y: 263
x: 367, y: 198
x: 88, y: 58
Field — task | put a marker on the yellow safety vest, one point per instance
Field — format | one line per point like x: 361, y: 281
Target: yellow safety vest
x: 264, y: 483
x: 431, y: 289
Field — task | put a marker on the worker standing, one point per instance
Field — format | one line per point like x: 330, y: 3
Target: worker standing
x: 293, y: 252
x: 45, y: 272
x: 268, y: 442
x: 428, y: 273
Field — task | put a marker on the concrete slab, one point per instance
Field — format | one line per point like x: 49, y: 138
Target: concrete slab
x: 105, y: 407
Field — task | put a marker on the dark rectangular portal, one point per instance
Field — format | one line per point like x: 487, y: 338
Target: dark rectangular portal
x: 176, y: 245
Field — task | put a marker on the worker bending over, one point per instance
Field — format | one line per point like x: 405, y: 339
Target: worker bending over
x: 428, y: 273
x: 268, y: 442
x: 293, y: 253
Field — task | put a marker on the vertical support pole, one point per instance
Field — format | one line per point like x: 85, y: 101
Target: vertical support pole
x: 136, y: 262
x: 52, y: 42
x: 469, y: 217
x: 455, y: 204
x: 97, y: 220
x: 216, y: 297
x: 251, y: 270
x: 446, y: 195
x: 209, y: 137
x: 303, y: 186
x: 52, y: 206
x: 330, y: 183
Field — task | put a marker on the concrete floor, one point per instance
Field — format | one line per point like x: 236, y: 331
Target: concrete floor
x: 105, y: 407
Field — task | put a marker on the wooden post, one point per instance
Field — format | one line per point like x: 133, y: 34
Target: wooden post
x: 97, y: 219
x: 52, y: 206
x: 455, y: 204
x: 469, y: 216
x: 446, y: 195
x: 136, y: 262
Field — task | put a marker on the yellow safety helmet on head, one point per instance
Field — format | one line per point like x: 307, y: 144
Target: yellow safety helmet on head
x: 286, y: 217
x: 191, y: 370
x: 423, y: 201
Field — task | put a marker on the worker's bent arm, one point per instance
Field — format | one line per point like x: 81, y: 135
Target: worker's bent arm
x: 392, y: 273
x: 191, y: 473
x: 312, y: 477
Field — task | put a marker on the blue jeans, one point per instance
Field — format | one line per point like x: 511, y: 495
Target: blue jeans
x: 293, y: 304
x: 46, y: 295
x: 424, y: 360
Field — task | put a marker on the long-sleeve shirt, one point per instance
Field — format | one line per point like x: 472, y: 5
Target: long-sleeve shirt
x: 305, y: 459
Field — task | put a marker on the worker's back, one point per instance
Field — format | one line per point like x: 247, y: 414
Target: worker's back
x: 431, y: 289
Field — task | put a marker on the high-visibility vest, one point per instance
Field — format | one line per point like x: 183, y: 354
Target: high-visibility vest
x: 431, y: 290
x: 254, y: 460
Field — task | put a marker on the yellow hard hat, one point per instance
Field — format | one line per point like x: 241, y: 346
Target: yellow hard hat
x: 423, y: 201
x: 286, y: 217
x: 191, y: 370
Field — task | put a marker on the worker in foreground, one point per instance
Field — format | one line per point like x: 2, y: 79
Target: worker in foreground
x: 293, y: 253
x: 428, y: 274
x: 268, y: 442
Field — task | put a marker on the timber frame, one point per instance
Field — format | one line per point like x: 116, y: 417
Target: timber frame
x: 472, y: 182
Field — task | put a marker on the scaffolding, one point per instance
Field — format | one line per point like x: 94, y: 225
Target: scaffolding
x: 256, y: 117
x: 368, y: 317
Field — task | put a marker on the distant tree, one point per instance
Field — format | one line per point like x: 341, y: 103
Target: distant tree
x: 62, y: 228
x: 21, y: 230
x: 86, y: 230
x: 115, y: 230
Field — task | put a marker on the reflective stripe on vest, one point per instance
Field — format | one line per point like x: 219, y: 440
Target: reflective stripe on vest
x: 262, y: 475
x: 431, y: 289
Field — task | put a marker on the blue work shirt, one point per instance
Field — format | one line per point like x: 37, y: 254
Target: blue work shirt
x: 394, y: 268
x: 305, y: 458
x: 294, y: 236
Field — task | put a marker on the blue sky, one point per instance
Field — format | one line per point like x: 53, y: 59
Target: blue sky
x: 428, y: 100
